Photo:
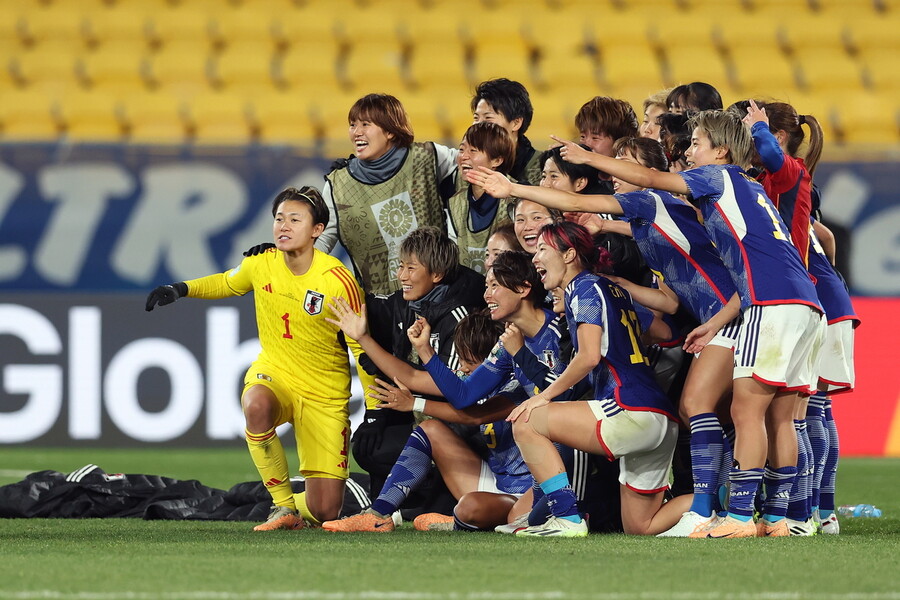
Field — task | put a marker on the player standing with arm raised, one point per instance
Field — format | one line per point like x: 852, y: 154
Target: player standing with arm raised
x: 779, y: 340
x: 302, y: 374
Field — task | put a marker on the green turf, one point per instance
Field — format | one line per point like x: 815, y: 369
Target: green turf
x: 133, y: 559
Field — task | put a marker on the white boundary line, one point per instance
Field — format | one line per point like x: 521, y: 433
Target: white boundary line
x: 398, y: 595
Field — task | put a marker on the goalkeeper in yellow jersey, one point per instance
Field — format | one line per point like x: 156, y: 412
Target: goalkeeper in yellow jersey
x: 302, y: 374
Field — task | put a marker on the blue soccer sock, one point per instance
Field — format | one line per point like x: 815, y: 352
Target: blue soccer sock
x: 725, y: 469
x: 778, y: 484
x: 561, y: 498
x: 818, y: 440
x: 798, y: 504
x: 744, y: 485
x: 409, y: 471
x: 537, y: 493
x: 707, y: 445
x: 829, y: 473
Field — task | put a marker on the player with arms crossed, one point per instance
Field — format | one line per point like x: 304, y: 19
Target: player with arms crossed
x: 291, y: 283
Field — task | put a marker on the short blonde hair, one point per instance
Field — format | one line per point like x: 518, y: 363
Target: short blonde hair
x: 658, y: 99
x: 725, y: 129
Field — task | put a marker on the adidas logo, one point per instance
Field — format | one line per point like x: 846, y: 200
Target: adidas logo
x: 268, y: 287
x: 273, y: 482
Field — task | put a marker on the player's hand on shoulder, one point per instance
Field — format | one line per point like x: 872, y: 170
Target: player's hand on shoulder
x: 165, y: 294
x: 258, y: 249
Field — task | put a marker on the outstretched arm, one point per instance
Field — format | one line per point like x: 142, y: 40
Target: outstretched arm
x: 399, y: 398
x: 496, y: 183
x: 627, y: 171
x: 355, y: 326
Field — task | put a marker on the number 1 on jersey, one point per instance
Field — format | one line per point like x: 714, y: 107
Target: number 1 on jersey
x: 286, y: 317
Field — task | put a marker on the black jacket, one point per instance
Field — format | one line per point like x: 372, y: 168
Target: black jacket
x: 390, y: 317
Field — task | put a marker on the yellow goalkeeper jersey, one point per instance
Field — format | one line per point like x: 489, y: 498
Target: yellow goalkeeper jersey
x: 290, y: 316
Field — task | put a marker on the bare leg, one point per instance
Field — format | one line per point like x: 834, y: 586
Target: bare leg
x: 645, y: 514
x: 708, y: 380
x: 569, y: 423
x: 782, y: 445
x: 324, y: 497
x: 460, y: 467
x: 748, y: 411
x: 484, y: 510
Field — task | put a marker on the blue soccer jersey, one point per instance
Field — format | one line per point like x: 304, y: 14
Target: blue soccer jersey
x: 499, y: 365
x: 623, y: 373
x: 750, y: 236
x: 504, y: 458
x: 675, y: 245
x: 830, y: 286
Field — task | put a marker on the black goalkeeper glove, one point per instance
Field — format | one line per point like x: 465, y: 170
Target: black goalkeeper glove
x: 259, y: 249
x: 370, y: 433
x: 166, y: 294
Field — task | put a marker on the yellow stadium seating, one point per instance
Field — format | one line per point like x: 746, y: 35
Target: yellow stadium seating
x: 372, y: 65
x: 882, y: 73
x: 283, y: 118
x: 27, y: 115
x: 823, y: 70
x: 685, y: 64
x: 765, y: 72
x: 221, y: 119
x: 184, y: 23
x: 438, y: 67
x: 309, y: 67
x: 869, y: 119
x: 118, y: 23
x: 182, y: 67
x: 57, y: 22
x: 91, y: 117
x: 48, y: 66
x: 244, y: 68
x: 316, y: 57
x: 154, y: 118
x: 624, y: 67
x: 114, y: 67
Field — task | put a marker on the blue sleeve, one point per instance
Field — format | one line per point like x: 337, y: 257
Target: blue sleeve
x: 542, y: 376
x: 767, y: 147
x: 462, y: 393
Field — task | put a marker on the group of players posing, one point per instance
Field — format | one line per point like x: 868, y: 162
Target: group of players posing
x: 771, y: 324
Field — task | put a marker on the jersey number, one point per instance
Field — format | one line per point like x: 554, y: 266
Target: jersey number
x: 286, y: 317
x: 491, y: 435
x: 778, y: 233
x: 629, y: 320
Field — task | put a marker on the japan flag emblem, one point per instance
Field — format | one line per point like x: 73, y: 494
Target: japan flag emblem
x: 313, y: 302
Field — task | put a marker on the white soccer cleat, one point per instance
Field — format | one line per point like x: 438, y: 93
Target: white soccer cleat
x: 556, y: 527
x: 829, y: 526
x: 690, y: 522
x: 802, y: 528
x: 519, y: 523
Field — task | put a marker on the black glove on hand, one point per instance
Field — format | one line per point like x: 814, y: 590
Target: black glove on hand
x: 370, y: 432
x: 166, y: 294
x: 259, y: 249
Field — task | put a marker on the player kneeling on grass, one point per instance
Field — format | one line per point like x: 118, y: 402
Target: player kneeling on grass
x: 291, y: 283
x: 630, y: 418
x: 490, y: 492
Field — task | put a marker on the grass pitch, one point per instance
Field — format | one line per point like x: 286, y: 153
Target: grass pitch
x: 105, y: 559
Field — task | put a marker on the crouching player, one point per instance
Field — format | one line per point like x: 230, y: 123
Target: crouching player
x: 630, y: 417
x: 302, y: 374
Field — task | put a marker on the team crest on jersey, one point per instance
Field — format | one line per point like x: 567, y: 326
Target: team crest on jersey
x: 313, y: 302
x: 549, y: 359
x: 435, y: 341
